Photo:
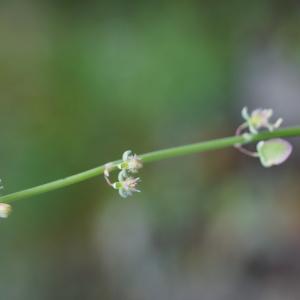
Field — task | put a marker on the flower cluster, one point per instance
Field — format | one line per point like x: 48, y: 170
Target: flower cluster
x: 272, y: 152
x: 126, y: 184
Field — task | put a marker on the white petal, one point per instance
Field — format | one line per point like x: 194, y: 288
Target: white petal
x: 126, y: 155
x: 123, y: 193
x: 122, y: 175
x: 245, y: 114
x: 278, y: 123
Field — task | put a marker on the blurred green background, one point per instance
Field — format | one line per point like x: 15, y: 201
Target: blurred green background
x: 83, y: 81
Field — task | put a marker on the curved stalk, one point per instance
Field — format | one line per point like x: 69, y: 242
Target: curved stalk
x: 151, y: 157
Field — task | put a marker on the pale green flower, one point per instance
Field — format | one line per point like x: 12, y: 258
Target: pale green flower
x: 260, y: 118
x: 126, y: 184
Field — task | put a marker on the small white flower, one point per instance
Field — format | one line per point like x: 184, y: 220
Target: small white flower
x: 126, y: 185
x: 131, y: 162
x: 260, y: 118
x: 5, y: 210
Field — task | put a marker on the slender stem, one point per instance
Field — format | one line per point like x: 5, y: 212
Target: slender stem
x: 151, y: 157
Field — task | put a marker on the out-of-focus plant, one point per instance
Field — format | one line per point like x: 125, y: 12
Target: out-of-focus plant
x: 271, y: 149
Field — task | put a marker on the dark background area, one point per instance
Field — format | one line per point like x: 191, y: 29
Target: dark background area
x: 83, y: 81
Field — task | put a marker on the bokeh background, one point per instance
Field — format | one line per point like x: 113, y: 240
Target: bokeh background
x: 83, y: 81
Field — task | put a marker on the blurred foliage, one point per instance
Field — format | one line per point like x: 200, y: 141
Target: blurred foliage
x: 82, y: 81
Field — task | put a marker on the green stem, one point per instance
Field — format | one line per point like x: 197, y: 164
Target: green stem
x: 151, y: 157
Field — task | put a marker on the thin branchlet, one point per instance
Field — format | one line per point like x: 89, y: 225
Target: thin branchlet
x: 152, y: 157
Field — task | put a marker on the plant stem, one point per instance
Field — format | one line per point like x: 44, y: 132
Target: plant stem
x: 151, y: 157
